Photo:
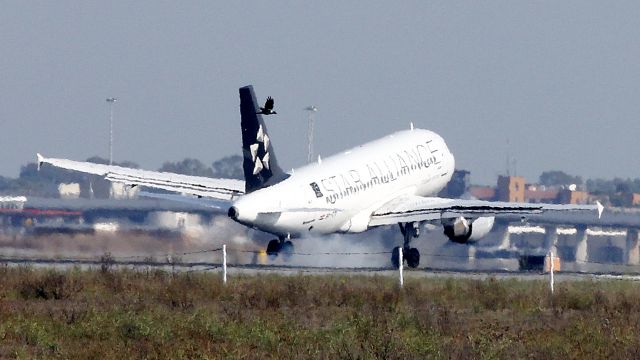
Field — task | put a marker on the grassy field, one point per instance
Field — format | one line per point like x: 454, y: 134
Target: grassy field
x: 108, y: 314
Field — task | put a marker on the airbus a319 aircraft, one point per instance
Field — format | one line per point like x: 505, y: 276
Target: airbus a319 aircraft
x: 388, y: 181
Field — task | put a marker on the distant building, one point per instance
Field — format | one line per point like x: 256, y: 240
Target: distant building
x: 99, y: 188
x: 567, y: 196
x: 482, y: 192
x: 510, y: 188
x: 631, y: 199
x: 514, y: 189
x: 12, y: 202
x: 540, y: 194
x: 122, y: 191
x: 69, y: 191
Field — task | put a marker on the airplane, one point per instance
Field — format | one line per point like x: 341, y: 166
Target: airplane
x: 388, y: 181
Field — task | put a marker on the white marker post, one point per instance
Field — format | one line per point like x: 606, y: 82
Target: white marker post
x: 224, y: 264
x: 400, y: 262
x: 551, y: 271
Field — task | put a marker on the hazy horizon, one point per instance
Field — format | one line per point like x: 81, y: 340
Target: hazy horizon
x: 552, y: 84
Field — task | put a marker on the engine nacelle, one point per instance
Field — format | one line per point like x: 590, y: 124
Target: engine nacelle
x: 461, y: 230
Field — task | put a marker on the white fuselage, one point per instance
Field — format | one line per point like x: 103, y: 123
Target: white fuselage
x: 339, y: 193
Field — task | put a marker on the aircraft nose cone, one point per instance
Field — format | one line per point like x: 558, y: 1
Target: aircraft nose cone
x: 233, y: 213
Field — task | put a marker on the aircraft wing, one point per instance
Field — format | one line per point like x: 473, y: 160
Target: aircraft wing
x: 221, y: 189
x: 418, y: 208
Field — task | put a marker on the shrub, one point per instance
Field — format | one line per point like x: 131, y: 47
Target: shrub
x: 106, y: 262
x: 51, y: 285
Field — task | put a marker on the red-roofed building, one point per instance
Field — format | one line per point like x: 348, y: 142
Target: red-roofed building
x: 482, y: 192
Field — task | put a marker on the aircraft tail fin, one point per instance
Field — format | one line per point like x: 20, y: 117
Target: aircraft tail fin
x: 260, y: 165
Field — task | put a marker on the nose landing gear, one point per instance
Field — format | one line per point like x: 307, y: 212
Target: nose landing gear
x: 409, y: 231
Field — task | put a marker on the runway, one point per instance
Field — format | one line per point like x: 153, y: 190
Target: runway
x: 279, y: 269
x: 340, y: 255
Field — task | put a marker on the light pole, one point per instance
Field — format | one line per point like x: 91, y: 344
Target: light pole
x: 312, y: 111
x: 110, y: 102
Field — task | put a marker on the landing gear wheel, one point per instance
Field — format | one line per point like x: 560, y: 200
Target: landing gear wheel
x: 395, y: 257
x: 273, y: 248
x: 413, y: 257
x: 287, y: 249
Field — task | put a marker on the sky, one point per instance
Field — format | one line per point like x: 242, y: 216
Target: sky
x: 549, y: 84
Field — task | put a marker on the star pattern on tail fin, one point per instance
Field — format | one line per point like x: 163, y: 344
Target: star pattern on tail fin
x: 260, y: 135
x: 266, y: 141
x: 260, y: 154
x: 265, y: 161
x: 257, y: 167
x: 254, y: 151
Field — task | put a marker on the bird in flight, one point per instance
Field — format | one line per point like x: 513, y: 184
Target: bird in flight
x: 268, y: 107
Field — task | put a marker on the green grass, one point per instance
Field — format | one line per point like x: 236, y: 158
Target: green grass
x: 127, y: 314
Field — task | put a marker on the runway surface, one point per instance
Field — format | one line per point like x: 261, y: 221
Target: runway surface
x: 266, y: 269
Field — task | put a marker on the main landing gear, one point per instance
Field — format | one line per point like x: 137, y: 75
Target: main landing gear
x: 280, y: 245
x: 409, y: 231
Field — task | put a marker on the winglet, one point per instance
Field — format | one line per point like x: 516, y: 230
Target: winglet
x: 600, y: 209
x: 40, y: 160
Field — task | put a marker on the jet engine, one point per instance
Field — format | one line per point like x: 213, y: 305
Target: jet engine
x: 461, y: 230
